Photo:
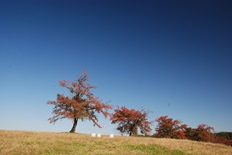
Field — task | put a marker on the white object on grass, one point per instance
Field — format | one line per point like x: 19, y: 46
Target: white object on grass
x: 111, y: 135
x: 93, y: 135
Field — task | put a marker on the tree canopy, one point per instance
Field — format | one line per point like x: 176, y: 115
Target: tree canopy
x: 170, y: 128
x: 81, y: 105
x: 130, y: 120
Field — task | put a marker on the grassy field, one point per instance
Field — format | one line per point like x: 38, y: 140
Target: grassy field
x: 24, y: 142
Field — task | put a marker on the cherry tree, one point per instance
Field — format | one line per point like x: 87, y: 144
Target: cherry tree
x: 81, y: 105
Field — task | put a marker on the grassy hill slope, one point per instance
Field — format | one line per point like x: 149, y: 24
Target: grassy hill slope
x: 24, y: 142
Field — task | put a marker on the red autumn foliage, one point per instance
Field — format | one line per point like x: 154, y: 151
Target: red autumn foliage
x: 222, y: 140
x: 129, y: 120
x: 202, y: 133
x: 205, y: 133
x: 81, y: 105
x: 169, y: 128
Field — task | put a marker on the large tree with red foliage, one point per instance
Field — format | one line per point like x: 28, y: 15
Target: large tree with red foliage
x: 130, y: 120
x: 81, y: 105
x: 170, y: 128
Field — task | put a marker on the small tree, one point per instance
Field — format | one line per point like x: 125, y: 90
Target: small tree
x: 205, y: 133
x: 129, y: 120
x: 81, y: 105
x: 169, y: 128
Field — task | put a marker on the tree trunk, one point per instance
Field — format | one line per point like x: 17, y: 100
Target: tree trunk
x: 75, y: 120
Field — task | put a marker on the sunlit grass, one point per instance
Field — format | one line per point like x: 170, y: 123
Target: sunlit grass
x: 23, y: 142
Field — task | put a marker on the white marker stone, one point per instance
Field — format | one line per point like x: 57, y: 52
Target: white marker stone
x: 93, y: 135
x: 111, y: 135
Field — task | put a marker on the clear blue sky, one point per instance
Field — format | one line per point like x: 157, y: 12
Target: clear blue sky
x: 171, y: 57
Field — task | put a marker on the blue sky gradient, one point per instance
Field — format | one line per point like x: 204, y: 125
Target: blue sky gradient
x: 173, y: 58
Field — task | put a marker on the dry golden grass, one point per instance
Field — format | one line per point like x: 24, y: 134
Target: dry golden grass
x: 193, y: 147
x: 23, y: 142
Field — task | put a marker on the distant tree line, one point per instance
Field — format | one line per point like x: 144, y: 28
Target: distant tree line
x: 226, y: 135
x: 82, y: 105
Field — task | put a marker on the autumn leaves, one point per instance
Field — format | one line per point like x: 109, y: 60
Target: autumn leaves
x: 130, y: 120
x: 82, y: 105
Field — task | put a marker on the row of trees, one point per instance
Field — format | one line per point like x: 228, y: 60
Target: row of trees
x: 170, y: 128
x: 82, y: 105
